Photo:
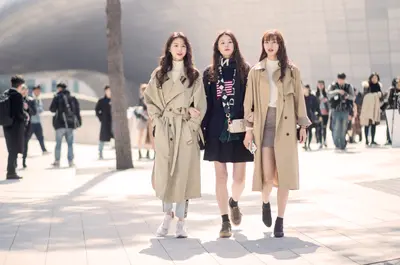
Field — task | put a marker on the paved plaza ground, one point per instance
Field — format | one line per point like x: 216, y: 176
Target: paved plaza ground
x: 346, y: 212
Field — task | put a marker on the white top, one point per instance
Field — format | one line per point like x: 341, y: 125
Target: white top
x: 177, y: 70
x: 272, y: 66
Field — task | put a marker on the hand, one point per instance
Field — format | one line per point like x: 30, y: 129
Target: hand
x: 194, y: 113
x: 320, y: 119
x: 324, y: 100
x: 248, y: 139
x: 303, y: 135
x: 341, y: 92
x: 25, y: 105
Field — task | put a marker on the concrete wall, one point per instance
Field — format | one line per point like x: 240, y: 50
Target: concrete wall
x: 87, y: 134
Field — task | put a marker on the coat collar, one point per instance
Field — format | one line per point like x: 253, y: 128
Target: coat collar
x: 173, y: 89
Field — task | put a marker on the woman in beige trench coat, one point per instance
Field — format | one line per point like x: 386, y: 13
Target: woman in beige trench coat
x: 274, y: 104
x: 176, y: 104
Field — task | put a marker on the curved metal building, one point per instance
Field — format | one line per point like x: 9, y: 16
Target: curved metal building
x: 323, y: 36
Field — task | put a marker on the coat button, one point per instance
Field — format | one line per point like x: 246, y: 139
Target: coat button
x: 287, y: 134
x: 285, y: 117
x: 169, y: 125
x: 170, y: 109
x: 171, y: 139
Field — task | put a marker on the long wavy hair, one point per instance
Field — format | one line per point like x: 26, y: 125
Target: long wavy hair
x: 283, y: 59
x: 166, y: 61
x: 242, y: 67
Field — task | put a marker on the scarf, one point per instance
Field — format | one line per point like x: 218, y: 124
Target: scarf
x: 226, y: 92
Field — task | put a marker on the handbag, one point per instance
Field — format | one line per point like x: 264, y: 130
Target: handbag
x: 236, y: 126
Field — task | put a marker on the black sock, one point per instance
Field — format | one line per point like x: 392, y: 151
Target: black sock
x: 233, y: 203
x: 225, y: 218
x: 266, y: 205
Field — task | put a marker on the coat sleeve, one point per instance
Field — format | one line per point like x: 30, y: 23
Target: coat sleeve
x: 151, y: 99
x: 200, y: 103
x: 300, y: 104
x: 54, y: 104
x: 249, y: 100
x: 206, y: 118
x: 77, y: 109
x: 17, y: 107
x: 32, y: 107
x: 98, y: 110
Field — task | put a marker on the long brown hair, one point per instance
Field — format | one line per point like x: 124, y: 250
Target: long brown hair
x: 281, y: 54
x: 166, y: 61
x: 242, y: 67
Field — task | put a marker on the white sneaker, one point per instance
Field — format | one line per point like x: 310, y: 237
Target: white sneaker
x: 181, y: 230
x: 164, y: 226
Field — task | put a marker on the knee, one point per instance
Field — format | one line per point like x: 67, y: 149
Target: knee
x: 239, y: 179
x: 221, y: 176
x: 268, y: 178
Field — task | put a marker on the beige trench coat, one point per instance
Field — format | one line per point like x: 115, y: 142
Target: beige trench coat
x: 290, y: 110
x: 371, y: 109
x: 176, y: 171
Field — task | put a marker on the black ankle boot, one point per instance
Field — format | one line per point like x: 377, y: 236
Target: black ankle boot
x: 278, y: 229
x: 266, y: 214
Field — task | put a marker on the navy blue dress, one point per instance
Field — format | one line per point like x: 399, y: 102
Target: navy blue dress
x: 214, y: 123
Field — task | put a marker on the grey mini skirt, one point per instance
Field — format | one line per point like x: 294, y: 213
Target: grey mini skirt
x: 269, y: 128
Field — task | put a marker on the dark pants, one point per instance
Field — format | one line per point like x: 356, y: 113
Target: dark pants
x: 321, y: 129
x: 12, y: 162
x: 28, y: 134
x: 373, y: 130
x: 38, y: 131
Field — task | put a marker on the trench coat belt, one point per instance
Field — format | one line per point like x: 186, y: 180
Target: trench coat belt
x: 180, y: 115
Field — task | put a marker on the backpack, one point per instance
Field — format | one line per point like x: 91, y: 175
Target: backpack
x: 68, y: 115
x: 6, y: 118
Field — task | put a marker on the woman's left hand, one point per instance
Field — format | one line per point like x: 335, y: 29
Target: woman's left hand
x: 303, y: 135
x: 194, y: 113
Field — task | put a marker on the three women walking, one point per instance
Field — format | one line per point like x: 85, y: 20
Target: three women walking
x: 246, y: 111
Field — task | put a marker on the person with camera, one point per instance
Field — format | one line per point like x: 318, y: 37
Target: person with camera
x: 341, y: 96
x: 67, y: 118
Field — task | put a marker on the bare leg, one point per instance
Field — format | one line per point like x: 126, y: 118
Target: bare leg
x: 239, y: 176
x: 283, y: 196
x: 269, y: 167
x: 221, y: 190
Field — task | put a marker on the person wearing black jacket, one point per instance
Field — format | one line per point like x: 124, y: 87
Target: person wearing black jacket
x: 393, y: 104
x: 341, y: 96
x: 314, y: 115
x: 14, y: 134
x: 67, y: 118
x: 30, y: 110
x: 103, y: 112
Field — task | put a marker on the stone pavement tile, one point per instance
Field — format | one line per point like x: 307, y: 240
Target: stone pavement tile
x: 150, y: 252
x: 328, y: 237
x: 198, y: 256
x: 372, y: 253
x: 328, y: 258
x: 23, y: 257
x: 109, y: 255
x: 286, y: 257
x: 67, y: 257
x: 227, y: 251
x: 174, y: 244
x: 384, y: 227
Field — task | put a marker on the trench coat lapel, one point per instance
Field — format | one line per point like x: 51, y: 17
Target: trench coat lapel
x: 173, y: 89
x: 263, y: 83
